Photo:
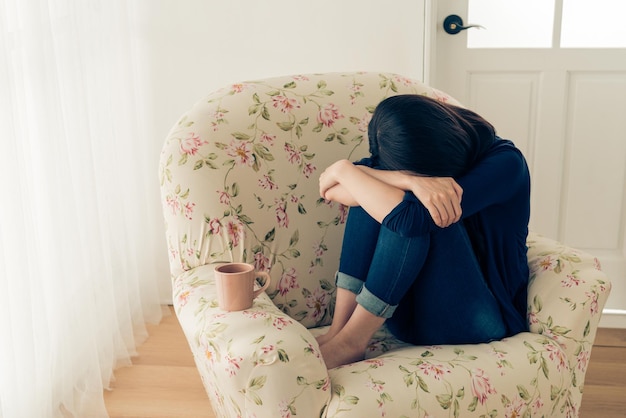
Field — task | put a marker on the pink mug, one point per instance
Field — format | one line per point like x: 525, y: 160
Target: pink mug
x: 235, y: 285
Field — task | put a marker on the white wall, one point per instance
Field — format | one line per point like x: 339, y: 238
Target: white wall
x: 188, y: 48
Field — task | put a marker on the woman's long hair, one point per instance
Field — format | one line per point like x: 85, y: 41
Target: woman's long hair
x: 418, y: 134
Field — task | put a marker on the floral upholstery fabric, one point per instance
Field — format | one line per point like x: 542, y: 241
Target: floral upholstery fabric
x: 239, y: 180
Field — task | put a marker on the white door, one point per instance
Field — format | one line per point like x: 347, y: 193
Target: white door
x: 554, y: 82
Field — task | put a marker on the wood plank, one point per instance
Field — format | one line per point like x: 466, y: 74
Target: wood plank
x: 610, y: 337
x: 603, y: 402
x: 163, y: 381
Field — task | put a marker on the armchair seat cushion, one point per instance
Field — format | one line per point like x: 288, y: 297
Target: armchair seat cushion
x: 239, y: 183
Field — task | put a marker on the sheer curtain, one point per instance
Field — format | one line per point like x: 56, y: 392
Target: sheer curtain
x: 77, y: 182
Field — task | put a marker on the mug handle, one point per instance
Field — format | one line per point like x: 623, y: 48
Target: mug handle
x: 267, y: 282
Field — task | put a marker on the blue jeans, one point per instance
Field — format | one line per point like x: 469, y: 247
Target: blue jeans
x: 430, y: 288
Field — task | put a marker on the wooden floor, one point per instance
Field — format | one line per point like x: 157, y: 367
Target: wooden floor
x: 164, y: 382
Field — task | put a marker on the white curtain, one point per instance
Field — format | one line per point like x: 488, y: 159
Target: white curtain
x: 77, y: 183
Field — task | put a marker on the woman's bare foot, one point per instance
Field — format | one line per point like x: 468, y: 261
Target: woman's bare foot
x: 345, y: 305
x: 324, y: 338
x: 338, y: 353
x: 349, y: 344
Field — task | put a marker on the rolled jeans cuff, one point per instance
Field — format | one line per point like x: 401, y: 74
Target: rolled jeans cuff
x: 348, y: 282
x: 372, y: 303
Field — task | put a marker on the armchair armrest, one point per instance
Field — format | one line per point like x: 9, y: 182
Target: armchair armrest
x: 256, y: 362
x: 577, y: 290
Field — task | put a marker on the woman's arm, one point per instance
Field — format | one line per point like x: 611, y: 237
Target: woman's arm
x: 346, y: 183
x: 381, y: 191
x: 441, y: 196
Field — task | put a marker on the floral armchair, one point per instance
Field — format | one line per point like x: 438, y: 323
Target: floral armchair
x: 239, y: 182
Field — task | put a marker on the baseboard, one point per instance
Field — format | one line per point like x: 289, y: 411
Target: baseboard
x: 613, y: 318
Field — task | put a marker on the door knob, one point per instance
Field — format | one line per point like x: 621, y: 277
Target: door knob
x: 453, y: 24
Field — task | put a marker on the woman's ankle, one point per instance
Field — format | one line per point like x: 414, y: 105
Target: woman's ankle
x: 323, y: 338
x: 338, y: 352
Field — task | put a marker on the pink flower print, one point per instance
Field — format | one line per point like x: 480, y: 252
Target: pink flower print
x: 267, y: 183
x: 532, y: 318
x: 280, y: 323
x: 238, y: 88
x: 267, y: 138
x: 223, y: 197
x: 268, y: 348
x: 191, y: 144
x: 596, y: 264
x: 288, y: 281
x: 556, y: 355
x: 437, y: 371
x: 241, y: 151
x: 319, y: 249
x: 375, y: 362
x: 582, y: 360
x: 301, y: 78
x: 312, y: 350
x: 218, y: 117
x: 326, y: 385
x: 481, y: 387
x: 294, y: 156
x: 317, y: 301
x: 343, y: 214
x: 281, y: 214
x: 514, y: 409
x: 356, y: 92
x: 497, y: 354
x: 328, y: 115
x: 284, y: 409
x: 536, y: 405
x: 548, y: 263
x: 235, y: 232
x: 261, y: 262
x: 571, y: 411
x: 173, y: 253
x: 363, y: 123
x: 209, y: 353
x: 188, y: 210
x: 256, y: 314
x: 593, y: 306
x: 173, y: 203
x: 215, y: 226
x: 403, y: 80
x: 441, y: 96
x: 375, y: 385
x: 308, y: 169
x: 570, y: 281
x: 285, y: 104
x: 183, y: 298
x: 233, y: 364
x: 355, y: 87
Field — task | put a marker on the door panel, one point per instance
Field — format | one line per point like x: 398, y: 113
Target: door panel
x: 565, y: 108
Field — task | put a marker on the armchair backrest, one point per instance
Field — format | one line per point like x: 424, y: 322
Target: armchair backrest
x: 239, y: 179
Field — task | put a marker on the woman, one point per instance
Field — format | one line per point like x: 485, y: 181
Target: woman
x: 439, y: 269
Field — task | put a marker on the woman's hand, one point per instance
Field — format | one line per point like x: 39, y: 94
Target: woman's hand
x: 329, y: 177
x: 440, y: 195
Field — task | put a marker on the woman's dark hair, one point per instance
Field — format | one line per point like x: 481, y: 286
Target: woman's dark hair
x: 427, y: 137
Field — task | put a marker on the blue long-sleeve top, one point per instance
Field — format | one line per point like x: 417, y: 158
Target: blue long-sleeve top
x: 496, y: 211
